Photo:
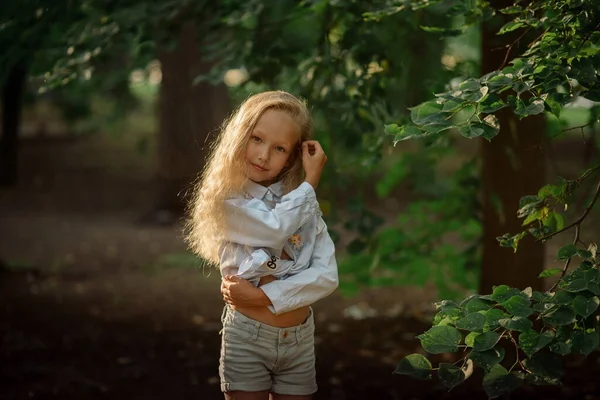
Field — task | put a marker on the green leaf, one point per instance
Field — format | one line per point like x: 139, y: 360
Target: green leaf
x: 585, y: 306
x: 584, y: 342
x: 440, y: 339
x: 518, y: 324
x: 562, y: 348
x: 585, y: 254
x: 498, y: 81
x: 488, y: 358
x: 449, y: 308
x: 549, y: 191
x: 503, y: 292
x: 534, y: 216
x: 560, y: 316
x: 566, y: 252
x: 493, y: 316
x: 409, y: 132
x: 490, y: 126
x: 471, y: 131
x: 518, y: 306
x: 450, y: 375
x: 553, y: 105
x: 550, y: 272
x: 512, y: 10
x: 531, y: 341
x: 498, y: 382
x: 475, y: 303
x: 470, y: 85
x: 527, y: 204
x: 510, y: 26
x: 575, y: 285
x: 470, y: 338
x: 473, y: 322
x: 547, y: 366
x: 453, y: 105
x: 392, y: 129
x: 491, y: 104
x: 486, y: 341
x: 536, y: 106
x: 427, y: 112
x: 562, y: 297
x: 415, y: 365
x: 542, y: 297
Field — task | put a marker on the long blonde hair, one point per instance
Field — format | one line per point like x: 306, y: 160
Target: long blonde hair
x: 224, y: 176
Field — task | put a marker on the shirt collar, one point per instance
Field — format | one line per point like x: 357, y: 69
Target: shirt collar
x: 259, y: 191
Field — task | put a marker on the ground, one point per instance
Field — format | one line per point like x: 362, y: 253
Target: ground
x: 95, y: 304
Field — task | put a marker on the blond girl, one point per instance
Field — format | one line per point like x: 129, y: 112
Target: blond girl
x: 254, y: 205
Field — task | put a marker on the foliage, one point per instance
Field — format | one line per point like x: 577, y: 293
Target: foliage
x: 363, y: 71
x: 558, y: 66
x: 366, y: 71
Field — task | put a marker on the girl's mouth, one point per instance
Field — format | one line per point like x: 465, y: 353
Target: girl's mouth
x: 259, y: 168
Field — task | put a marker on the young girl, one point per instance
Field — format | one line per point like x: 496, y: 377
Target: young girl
x: 252, y: 208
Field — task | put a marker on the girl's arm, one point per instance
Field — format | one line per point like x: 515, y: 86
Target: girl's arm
x: 250, y: 222
x: 309, y: 285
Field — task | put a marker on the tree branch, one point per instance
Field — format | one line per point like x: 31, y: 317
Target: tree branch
x: 566, y: 267
x: 575, y: 127
x: 510, y: 46
x: 579, y: 220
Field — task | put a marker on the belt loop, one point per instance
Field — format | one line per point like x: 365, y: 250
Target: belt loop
x: 299, y: 331
x: 256, y: 330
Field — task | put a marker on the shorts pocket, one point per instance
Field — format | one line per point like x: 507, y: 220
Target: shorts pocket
x: 234, y: 332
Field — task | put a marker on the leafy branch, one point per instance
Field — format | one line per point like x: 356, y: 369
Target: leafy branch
x: 542, y: 326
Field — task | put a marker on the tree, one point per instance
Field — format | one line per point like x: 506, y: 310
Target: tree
x: 66, y: 41
x: 188, y: 114
x: 558, y: 65
x: 512, y: 165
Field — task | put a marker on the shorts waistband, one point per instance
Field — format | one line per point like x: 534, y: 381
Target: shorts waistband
x: 258, y: 329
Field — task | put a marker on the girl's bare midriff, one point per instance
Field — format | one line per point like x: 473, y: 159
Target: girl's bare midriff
x: 264, y: 315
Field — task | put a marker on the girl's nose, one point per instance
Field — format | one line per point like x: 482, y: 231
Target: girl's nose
x: 264, y: 155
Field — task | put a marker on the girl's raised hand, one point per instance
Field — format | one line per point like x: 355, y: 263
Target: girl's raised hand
x: 313, y: 161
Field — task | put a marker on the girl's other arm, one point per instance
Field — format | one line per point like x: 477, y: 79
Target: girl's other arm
x: 302, y: 289
x: 250, y: 222
x: 309, y: 285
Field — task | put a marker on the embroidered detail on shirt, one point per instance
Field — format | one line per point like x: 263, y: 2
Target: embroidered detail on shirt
x: 296, y: 241
x: 273, y: 263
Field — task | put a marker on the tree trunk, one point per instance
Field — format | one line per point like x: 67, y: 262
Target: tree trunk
x: 12, y: 96
x: 513, y: 166
x: 188, y: 115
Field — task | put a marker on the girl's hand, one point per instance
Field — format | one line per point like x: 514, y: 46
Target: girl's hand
x: 313, y: 161
x: 241, y: 293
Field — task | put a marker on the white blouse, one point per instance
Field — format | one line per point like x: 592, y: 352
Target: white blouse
x: 262, y: 223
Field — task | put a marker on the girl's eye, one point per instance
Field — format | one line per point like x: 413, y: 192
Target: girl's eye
x: 280, y: 149
x: 255, y: 139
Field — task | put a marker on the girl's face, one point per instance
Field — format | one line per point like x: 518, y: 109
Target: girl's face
x: 270, y: 146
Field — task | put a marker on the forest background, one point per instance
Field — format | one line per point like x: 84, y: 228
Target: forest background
x: 108, y: 109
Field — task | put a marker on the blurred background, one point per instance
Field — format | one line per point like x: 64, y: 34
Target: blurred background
x: 108, y: 110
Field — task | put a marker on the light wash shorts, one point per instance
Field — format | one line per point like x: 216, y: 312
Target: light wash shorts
x: 257, y: 357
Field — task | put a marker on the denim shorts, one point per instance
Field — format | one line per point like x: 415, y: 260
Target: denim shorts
x: 258, y: 357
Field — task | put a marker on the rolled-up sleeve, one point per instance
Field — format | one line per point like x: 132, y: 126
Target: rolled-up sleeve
x: 310, y: 285
x: 251, y: 223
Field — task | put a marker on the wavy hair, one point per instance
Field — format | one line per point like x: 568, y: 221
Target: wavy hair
x: 224, y: 173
